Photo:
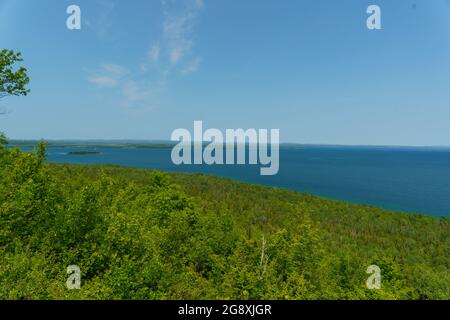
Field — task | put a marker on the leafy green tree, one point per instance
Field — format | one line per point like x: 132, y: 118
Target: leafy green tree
x: 13, y: 81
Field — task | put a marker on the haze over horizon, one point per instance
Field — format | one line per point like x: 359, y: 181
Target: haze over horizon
x: 158, y: 141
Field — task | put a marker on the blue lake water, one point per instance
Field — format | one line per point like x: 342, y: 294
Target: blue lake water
x: 404, y: 179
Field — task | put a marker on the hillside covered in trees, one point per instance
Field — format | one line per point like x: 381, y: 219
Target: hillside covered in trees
x: 140, y: 234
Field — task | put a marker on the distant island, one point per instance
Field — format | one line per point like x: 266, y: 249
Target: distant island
x: 82, y: 152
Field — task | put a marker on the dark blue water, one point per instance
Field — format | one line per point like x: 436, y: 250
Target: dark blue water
x: 404, y: 179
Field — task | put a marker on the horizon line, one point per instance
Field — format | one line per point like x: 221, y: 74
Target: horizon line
x: 150, y: 141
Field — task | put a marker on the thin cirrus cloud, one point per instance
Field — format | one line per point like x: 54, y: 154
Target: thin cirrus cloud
x: 109, y: 76
x: 178, y: 35
x: 178, y: 28
x: 177, y: 39
x: 103, y: 81
x: 102, y: 23
x: 171, y: 54
x: 154, y: 53
x: 136, y: 92
x: 192, y: 67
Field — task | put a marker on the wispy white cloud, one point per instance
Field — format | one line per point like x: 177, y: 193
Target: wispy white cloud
x: 103, y: 81
x: 115, y: 70
x: 153, y: 53
x: 177, y: 40
x: 135, y: 91
x: 108, y: 76
x: 178, y: 28
x: 170, y: 55
x: 200, y: 4
x: 102, y: 23
x: 192, y: 66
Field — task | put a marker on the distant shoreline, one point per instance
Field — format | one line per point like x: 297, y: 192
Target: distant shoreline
x: 31, y: 144
x: 89, y: 144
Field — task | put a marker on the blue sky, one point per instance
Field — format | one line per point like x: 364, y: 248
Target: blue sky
x: 141, y: 69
